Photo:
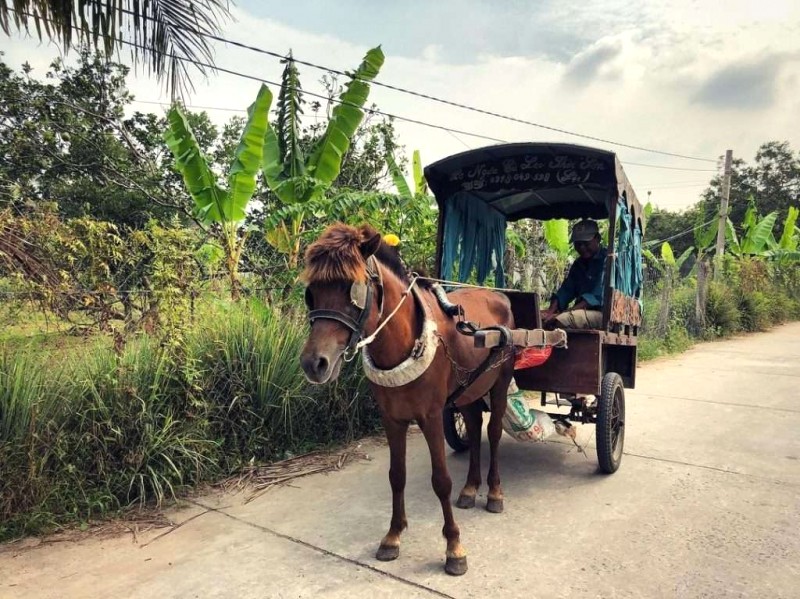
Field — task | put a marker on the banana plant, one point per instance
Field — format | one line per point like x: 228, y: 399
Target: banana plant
x: 786, y: 248
x: 213, y: 204
x: 298, y: 179
x: 757, y: 238
x: 667, y: 264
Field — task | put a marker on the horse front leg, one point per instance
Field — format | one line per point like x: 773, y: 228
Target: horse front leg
x: 456, y: 556
x: 499, y: 398
x: 473, y: 419
x: 396, y: 435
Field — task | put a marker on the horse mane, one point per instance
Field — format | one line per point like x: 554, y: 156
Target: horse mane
x: 336, y: 256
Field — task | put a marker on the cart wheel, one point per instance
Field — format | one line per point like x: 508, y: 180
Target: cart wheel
x: 455, y: 429
x: 610, y: 423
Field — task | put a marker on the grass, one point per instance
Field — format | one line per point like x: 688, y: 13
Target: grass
x: 93, y: 433
x: 86, y: 432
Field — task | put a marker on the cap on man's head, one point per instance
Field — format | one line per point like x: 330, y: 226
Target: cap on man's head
x: 584, y: 230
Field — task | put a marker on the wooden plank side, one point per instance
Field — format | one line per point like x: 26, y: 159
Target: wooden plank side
x: 625, y: 310
x: 576, y: 369
x: 525, y: 307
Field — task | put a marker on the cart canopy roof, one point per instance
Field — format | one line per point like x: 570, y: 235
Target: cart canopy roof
x: 536, y: 180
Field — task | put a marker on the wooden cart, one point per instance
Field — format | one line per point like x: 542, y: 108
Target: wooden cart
x: 482, y: 190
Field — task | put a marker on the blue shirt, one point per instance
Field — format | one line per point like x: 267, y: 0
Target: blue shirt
x: 584, y: 281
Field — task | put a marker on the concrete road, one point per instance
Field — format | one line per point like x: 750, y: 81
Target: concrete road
x: 706, y: 504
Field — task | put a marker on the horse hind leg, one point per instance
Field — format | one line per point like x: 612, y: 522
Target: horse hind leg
x: 389, y: 548
x: 456, y: 556
x: 473, y: 419
x: 499, y: 398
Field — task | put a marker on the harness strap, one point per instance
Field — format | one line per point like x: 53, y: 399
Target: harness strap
x: 473, y: 376
x: 346, y: 320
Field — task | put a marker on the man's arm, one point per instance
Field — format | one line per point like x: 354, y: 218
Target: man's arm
x: 561, y: 298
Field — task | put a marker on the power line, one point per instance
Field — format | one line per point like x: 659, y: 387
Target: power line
x: 454, y: 104
x: 675, y: 168
x: 681, y: 234
x: 407, y: 91
x: 667, y: 187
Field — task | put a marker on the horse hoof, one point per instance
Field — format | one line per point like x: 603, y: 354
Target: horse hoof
x: 387, y: 553
x: 494, y: 505
x: 465, y: 501
x: 456, y: 566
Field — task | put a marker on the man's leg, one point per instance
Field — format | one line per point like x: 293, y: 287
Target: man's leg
x: 580, y: 319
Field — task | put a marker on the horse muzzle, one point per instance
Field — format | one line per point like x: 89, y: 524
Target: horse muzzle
x: 320, y: 367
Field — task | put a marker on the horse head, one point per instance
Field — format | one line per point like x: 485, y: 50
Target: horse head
x: 342, y: 289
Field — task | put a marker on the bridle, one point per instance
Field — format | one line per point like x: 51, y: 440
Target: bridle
x: 361, y: 297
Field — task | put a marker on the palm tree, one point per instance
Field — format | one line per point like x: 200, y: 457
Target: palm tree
x: 168, y: 36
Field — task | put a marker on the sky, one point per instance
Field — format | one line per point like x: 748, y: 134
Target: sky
x: 689, y: 77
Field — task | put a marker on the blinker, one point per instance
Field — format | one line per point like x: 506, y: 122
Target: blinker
x: 358, y: 295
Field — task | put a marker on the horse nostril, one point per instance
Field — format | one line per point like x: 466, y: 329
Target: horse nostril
x: 322, y: 365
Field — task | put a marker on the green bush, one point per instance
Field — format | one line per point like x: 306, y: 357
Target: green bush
x: 102, y: 431
x: 754, y: 311
x: 781, y: 307
x: 722, y: 310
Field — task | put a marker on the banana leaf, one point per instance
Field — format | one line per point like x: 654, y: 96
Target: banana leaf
x: 397, y: 177
x: 556, y: 233
x: 209, y: 198
x: 758, y: 234
x: 653, y: 259
x: 247, y: 158
x: 683, y: 257
x: 325, y: 161
x: 420, y: 185
x: 667, y: 254
x: 788, y: 240
x: 732, y: 239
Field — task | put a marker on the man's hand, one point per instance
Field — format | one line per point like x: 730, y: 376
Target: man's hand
x: 548, y: 315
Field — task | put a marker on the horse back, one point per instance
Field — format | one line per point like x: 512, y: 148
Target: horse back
x: 484, y: 307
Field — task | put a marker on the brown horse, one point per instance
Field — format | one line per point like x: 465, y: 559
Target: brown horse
x: 354, y: 283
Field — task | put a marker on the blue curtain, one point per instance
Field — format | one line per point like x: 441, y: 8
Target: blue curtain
x: 475, y: 235
x: 628, y: 262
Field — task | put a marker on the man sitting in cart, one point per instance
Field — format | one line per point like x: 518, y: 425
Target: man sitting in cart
x: 583, y: 285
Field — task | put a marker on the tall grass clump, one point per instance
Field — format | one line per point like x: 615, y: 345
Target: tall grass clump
x: 261, y: 406
x: 135, y: 432
x: 722, y: 310
x: 248, y: 371
x: 28, y: 406
x: 754, y: 311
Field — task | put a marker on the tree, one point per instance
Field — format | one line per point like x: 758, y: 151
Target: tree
x: 168, y: 36
x: 773, y: 181
x: 66, y: 140
x: 300, y: 180
x: 225, y: 208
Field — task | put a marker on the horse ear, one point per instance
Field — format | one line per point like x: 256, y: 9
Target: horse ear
x: 371, y: 241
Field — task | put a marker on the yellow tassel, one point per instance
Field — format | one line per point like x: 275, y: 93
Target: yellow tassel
x: 391, y: 239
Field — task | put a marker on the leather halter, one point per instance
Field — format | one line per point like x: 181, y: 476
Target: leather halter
x: 361, y: 297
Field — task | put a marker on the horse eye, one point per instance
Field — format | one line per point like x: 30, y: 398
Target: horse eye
x: 309, y: 299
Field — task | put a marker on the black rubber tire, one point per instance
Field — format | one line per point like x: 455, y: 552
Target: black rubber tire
x: 610, y: 423
x: 455, y: 430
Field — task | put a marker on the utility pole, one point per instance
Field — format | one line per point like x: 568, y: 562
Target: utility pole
x: 723, y: 214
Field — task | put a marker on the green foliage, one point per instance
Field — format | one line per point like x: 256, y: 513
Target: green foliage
x: 556, y: 233
x: 92, y: 275
x: 213, y: 204
x: 98, y: 431
x: 295, y: 180
x: 325, y: 160
x: 157, y: 30
x: 790, y: 235
x: 722, y: 310
x: 755, y: 311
